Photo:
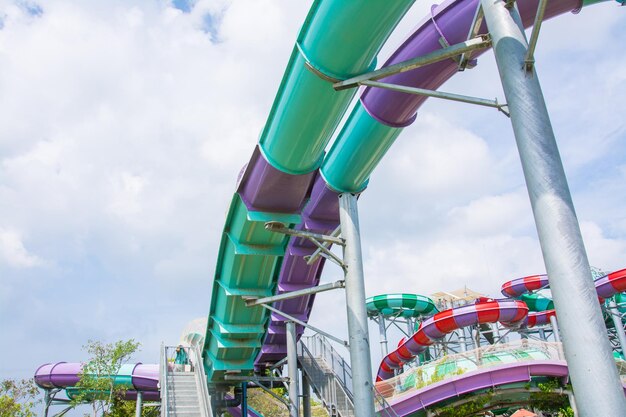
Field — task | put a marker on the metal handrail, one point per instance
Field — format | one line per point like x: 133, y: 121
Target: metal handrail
x: 332, y: 358
x: 385, y: 407
x: 335, y: 383
x: 165, y: 412
x: 201, y: 380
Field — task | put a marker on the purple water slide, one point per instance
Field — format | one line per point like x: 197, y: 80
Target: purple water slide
x: 470, y: 382
x: 321, y: 215
x: 144, y: 378
x: 449, y: 21
x: 265, y: 188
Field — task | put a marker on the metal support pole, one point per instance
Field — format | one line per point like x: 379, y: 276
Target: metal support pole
x: 46, y: 402
x: 139, y: 404
x: 572, y: 403
x: 542, y: 334
x: 360, y: 359
x: 244, y: 399
x: 595, y: 379
x: 410, y: 327
x: 306, y: 396
x: 619, y: 326
x: 383, y: 335
x: 292, y: 365
x: 555, y: 329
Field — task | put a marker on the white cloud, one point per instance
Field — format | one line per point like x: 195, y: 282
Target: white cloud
x: 13, y: 253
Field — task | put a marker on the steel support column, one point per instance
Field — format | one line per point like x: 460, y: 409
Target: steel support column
x: 139, y: 404
x: 244, y: 399
x: 619, y: 326
x: 306, y: 396
x: 592, y: 369
x: 355, y: 302
x: 383, y: 335
x: 292, y: 365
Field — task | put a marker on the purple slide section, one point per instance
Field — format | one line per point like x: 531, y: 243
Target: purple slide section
x: 321, y: 215
x: 472, y: 381
x: 265, y: 188
x: 144, y: 377
x: 451, y: 21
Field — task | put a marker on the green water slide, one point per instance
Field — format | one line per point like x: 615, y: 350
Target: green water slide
x: 304, y: 116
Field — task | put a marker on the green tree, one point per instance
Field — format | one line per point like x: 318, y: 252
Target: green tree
x: 18, y: 398
x: 98, y: 383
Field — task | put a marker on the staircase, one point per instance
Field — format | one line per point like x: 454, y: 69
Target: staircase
x: 183, y: 394
x: 329, y: 375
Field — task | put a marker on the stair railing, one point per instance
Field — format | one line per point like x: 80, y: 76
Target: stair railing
x: 165, y: 412
x: 201, y: 382
x: 334, y: 387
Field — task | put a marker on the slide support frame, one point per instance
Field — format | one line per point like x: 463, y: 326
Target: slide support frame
x: 358, y: 332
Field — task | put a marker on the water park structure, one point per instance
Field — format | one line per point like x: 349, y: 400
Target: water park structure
x: 294, y: 201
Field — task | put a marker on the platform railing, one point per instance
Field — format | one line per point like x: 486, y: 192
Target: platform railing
x: 201, y: 382
x: 163, y: 370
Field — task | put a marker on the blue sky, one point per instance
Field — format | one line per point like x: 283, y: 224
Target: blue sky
x: 123, y: 125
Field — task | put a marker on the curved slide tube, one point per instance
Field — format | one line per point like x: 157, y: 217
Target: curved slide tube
x: 136, y: 377
x: 607, y: 286
x: 400, y: 305
x: 505, y: 311
x: 281, y: 177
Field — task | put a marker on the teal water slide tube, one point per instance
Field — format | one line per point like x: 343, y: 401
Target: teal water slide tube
x: 278, y: 180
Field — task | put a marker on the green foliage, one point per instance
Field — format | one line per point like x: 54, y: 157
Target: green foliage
x: 468, y: 409
x: 18, y: 398
x: 269, y: 406
x: 549, y: 400
x: 122, y: 408
x: 98, y: 384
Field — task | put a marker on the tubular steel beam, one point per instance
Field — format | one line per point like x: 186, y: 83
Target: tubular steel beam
x: 293, y: 294
x: 438, y: 94
x: 279, y: 227
x: 595, y: 379
x: 307, y: 325
x: 452, y: 51
x: 529, y: 60
x: 292, y: 368
x: 360, y: 358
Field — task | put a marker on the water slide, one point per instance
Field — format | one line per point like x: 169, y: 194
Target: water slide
x: 607, y: 286
x: 400, y: 305
x: 135, y: 377
x: 290, y: 180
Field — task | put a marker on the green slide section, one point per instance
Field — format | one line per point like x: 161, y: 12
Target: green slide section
x: 350, y: 162
x: 248, y: 265
x: 537, y: 302
x: 403, y: 305
x: 339, y: 39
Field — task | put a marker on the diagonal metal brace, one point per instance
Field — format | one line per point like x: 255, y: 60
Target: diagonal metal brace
x: 279, y: 227
x: 465, y: 59
x: 322, y: 242
x: 453, y: 51
x: 529, y: 61
x: 439, y: 94
x: 306, y: 325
